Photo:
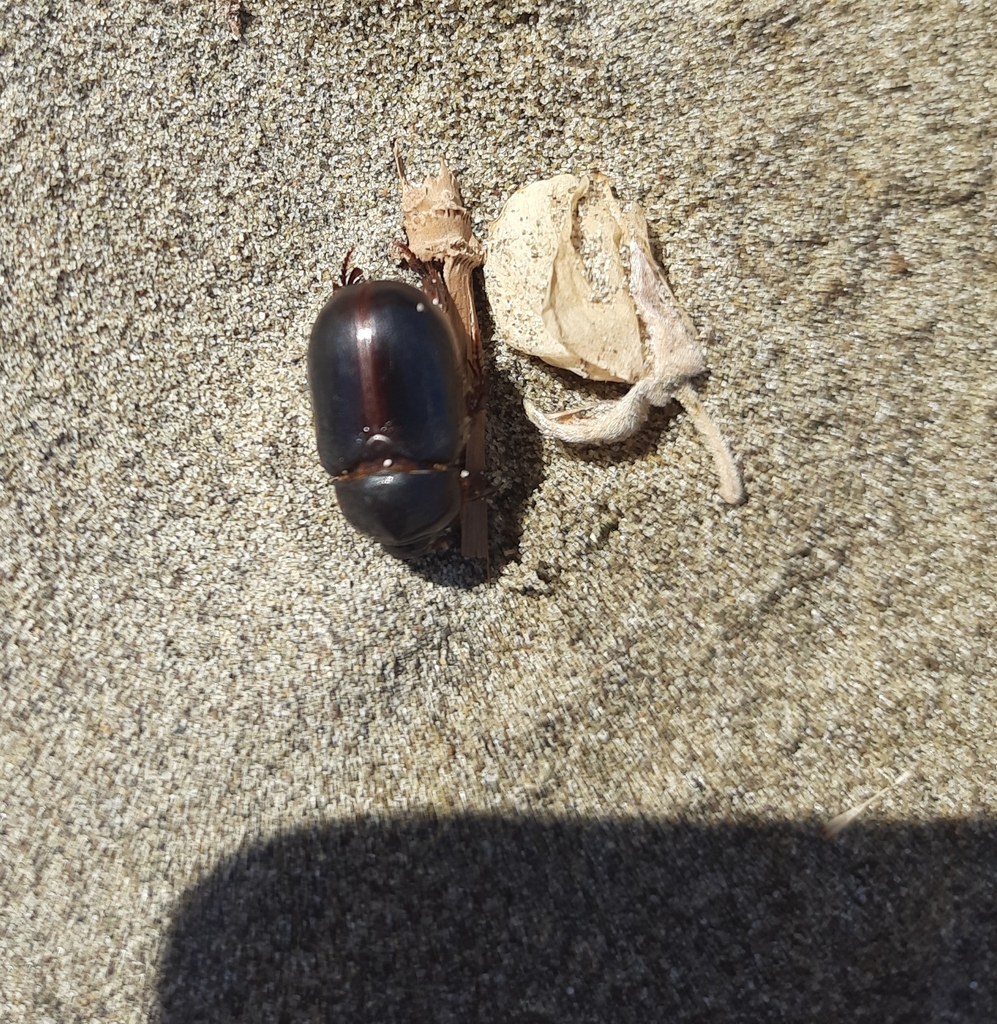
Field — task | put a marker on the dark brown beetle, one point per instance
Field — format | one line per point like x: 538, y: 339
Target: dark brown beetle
x: 388, y: 395
x: 398, y: 389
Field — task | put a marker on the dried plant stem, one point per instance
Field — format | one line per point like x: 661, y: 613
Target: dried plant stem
x: 458, y: 276
x: 474, y: 512
x: 597, y: 423
x: 731, y: 486
x: 438, y: 228
x: 837, y: 824
x: 233, y: 17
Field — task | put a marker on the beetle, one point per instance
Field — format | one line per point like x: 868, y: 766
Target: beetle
x: 385, y: 369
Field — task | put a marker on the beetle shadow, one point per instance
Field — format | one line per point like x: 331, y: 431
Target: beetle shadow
x: 504, y: 919
x: 514, y: 450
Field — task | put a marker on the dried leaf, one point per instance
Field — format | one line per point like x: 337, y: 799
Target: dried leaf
x: 571, y: 279
x: 539, y: 291
x: 587, y: 305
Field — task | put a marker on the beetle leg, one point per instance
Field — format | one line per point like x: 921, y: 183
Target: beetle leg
x: 431, y: 280
x: 433, y: 283
x: 348, y: 277
x: 427, y: 272
x: 342, y: 269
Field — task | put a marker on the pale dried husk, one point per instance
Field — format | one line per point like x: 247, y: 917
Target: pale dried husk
x: 571, y: 279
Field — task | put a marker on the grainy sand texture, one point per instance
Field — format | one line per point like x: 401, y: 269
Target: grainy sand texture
x: 255, y: 770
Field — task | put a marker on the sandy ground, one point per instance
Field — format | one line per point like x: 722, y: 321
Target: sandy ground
x: 255, y: 770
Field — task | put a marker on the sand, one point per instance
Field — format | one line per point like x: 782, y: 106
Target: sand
x: 255, y: 770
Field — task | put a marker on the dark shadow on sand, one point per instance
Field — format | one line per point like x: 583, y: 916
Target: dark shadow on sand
x: 478, y: 919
